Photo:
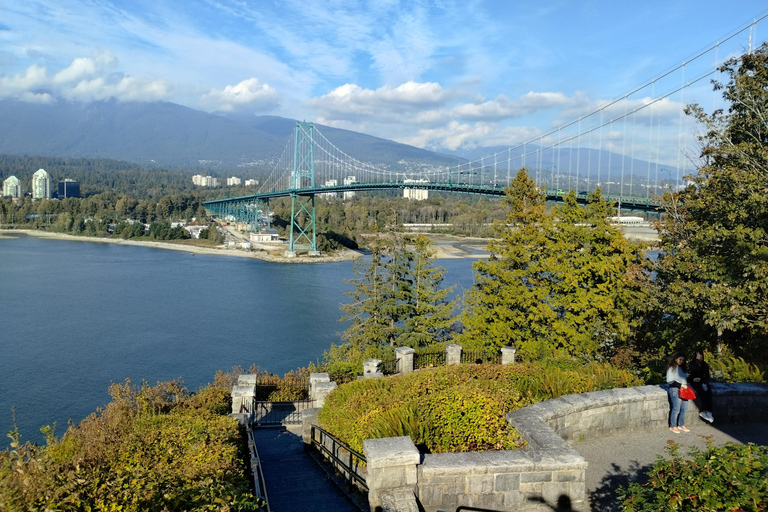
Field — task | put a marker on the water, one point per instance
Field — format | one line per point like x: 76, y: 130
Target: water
x: 75, y: 316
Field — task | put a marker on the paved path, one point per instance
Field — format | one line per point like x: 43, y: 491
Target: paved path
x: 616, y: 460
x: 294, y: 480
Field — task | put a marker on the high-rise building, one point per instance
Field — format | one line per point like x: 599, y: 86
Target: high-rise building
x: 415, y: 193
x: 251, y: 183
x: 69, y: 188
x: 12, y: 187
x: 350, y: 180
x: 234, y: 180
x: 41, y: 185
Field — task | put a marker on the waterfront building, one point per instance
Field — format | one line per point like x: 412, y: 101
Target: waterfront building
x: 413, y: 193
x: 205, y: 181
x: 69, y: 188
x: 12, y: 187
x: 41, y: 185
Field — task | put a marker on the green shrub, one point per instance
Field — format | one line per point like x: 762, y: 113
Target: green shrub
x: 151, y: 449
x: 455, y: 408
x: 725, y: 478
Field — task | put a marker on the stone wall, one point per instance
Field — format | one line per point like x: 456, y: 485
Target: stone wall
x: 548, y: 474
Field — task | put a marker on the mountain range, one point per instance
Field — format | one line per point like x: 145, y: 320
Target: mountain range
x: 170, y: 135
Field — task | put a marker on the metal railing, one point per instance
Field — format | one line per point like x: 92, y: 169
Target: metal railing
x: 343, y: 458
x: 279, y: 413
x: 428, y: 358
x: 388, y: 366
x: 480, y: 356
x: 259, y: 485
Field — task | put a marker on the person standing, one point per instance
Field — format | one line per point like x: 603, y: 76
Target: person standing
x: 677, y: 379
x: 699, y: 378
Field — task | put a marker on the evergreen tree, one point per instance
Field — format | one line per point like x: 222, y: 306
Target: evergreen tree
x: 711, y: 282
x: 554, y: 281
x: 431, y: 314
x: 370, y: 327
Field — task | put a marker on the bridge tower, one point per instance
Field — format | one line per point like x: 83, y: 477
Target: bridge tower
x: 303, y: 234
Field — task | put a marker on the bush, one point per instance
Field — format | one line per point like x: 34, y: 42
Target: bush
x: 151, y: 449
x: 725, y: 478
x: 455, y: 408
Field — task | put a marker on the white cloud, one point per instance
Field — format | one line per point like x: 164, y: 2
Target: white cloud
x: 126, y: 89
x: 248, y: 93
x: 83, y: 67
x: 504, y: 108
x: 409, y: 102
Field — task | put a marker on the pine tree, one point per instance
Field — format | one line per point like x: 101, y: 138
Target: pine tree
x: 711, y: 282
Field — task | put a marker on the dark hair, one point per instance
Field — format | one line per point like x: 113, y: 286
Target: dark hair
x: 672, y: 363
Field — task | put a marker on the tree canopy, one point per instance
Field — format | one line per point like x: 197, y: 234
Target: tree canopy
x: 554, y: 281
x: 710, y: 285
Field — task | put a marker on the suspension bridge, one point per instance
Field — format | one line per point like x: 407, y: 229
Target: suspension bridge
x: 634, y: 148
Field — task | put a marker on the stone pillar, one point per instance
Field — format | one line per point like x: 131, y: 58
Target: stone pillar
x: 314, y: 380
x: 247, y: 379
x: 242, y: 402
x: 308, y: 418
x: 319, y: 386
x: 392, y: 468
x: 452, y: 354
x: 508, y: 355
x: 321, y: 392
x: 404, y: 356
x: 371, y: 368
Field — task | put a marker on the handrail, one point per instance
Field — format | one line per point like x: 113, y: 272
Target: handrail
x: 259, y: 484
x: 349, y: 465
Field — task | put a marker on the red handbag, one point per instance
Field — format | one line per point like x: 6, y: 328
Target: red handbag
x: 687, y: 393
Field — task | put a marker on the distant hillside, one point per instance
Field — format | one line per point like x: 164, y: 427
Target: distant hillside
x: 171, y: 135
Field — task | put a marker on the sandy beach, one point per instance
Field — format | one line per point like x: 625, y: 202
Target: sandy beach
x: 445, y: 247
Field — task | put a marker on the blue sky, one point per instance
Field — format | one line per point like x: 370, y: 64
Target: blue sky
x: 437, y: 74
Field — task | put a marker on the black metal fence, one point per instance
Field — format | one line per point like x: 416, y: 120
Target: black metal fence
x: 275, y: 389
x: 480, y: 356
x: 279, y: 413
x: 259, y: 485
x: 428, y: 358
x: 346, y: 461
x: 388, y: 366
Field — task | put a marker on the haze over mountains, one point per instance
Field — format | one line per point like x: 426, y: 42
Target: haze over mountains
x: 171, y: 135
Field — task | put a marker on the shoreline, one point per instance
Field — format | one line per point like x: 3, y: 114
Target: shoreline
x: 445, y: 247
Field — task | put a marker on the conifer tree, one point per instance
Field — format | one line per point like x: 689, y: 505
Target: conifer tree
x: 431, y: 313
x: 554, y: 281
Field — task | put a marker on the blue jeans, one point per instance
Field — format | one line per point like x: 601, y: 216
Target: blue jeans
x: 677, y: 408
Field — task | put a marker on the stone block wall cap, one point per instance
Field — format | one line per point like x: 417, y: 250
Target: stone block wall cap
x: 243, y: 390
x: 247, y: 379
x: 452, y: 345
x: 443, y: 464
x: 325, y: 385
x: 405, y: 350
x: 390, y: 451
x: 319, y: 377
x: 372, y: 361
x: 309, y: 413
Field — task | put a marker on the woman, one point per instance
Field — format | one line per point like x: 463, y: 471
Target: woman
x: 699, y: 377
x: 677, y: 379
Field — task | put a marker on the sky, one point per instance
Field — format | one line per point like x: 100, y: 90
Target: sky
x: 437, y: 74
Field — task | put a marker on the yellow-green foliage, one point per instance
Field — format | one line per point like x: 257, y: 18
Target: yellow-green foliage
x: 456, y: 408
x: 151, y: 449
x: 734, y: 369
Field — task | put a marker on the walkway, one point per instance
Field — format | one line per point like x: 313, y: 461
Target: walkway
x: 616, y: 460
x: 294, y: 480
